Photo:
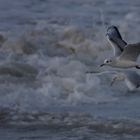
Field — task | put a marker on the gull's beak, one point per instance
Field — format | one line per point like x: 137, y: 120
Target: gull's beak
x: 113, y: 81
x: 102, y: 65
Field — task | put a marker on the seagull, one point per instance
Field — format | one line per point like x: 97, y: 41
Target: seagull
x: 131, y: 79
x: 125, y: 55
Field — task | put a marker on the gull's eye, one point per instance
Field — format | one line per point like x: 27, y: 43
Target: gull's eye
x: 108, y: 61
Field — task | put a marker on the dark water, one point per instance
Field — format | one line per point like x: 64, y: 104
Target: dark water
x: 46, y: 47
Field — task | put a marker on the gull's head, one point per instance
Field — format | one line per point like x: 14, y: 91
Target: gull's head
x: 108, y: 61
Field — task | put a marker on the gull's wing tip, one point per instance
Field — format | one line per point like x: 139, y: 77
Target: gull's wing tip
x: 111, y: 27
x: 113, y: 31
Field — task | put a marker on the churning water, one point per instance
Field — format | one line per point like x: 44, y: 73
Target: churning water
x: 46, y: 49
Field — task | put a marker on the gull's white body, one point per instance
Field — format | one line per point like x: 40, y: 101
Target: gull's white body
x: 122, y: 63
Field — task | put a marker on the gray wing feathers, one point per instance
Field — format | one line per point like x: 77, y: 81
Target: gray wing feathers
x: 116, y: 49
x: 131, y: 52
x: 121, y: 43
x: 117, y: 44
x: 114, y: 38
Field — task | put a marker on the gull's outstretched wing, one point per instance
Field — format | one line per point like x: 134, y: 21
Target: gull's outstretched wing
x: 114, y: 38
x: 131, y: 52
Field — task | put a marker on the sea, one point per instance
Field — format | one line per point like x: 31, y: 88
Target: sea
x: 51, y: 84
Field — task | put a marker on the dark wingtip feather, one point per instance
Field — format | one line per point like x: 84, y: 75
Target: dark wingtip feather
x: 116, y: 29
